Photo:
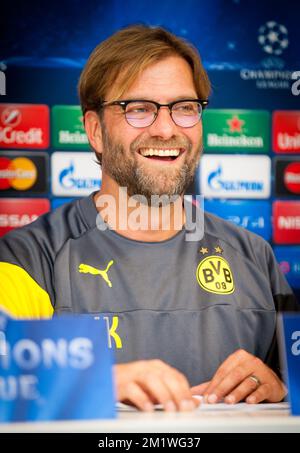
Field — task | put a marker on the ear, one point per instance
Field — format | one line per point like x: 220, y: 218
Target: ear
x: 93, y: 130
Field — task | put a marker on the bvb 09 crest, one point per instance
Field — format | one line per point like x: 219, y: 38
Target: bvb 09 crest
x: 214, y: 275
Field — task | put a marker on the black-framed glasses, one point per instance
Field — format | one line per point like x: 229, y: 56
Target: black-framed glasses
x: 143, y: 113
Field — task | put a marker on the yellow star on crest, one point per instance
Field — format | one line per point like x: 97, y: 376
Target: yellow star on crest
x: 203, y: 250
x: 218, y: 249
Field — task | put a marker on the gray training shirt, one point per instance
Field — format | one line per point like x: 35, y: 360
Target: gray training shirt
x: 190, y: 304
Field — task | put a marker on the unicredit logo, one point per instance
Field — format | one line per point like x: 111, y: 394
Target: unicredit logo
x: 11, y: 117
x: 286, y: 131
x: 32, y: 137
x: 292, y: 177
x: 24, y: 126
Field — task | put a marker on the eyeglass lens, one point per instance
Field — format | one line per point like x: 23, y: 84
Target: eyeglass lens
x: 143, y: 114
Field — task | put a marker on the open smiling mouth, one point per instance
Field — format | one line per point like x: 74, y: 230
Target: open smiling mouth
x: 165, y: 155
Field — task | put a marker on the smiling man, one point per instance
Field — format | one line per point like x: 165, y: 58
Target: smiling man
x: 179, y: 313
x: 156, y: 150
x: 156, y: 154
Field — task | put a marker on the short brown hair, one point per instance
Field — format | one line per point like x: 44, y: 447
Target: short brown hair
x: 123, y: 57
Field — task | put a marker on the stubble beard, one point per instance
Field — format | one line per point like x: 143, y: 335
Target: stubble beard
x: 138, y: 178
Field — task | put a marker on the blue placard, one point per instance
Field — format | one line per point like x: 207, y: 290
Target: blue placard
x: 288, y: 258
x: 55, y: 369
x: 57, y: 202
x: 289, y: 341
x: 255, y: 215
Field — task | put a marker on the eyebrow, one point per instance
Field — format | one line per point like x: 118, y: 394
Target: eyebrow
x: 145, y: 98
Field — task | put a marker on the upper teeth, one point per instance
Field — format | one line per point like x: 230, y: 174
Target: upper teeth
x: 159, y: 152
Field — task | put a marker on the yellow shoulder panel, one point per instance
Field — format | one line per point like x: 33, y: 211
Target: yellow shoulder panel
x: 21, y: 296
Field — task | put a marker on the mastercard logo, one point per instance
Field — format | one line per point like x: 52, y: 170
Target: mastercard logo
x: 19, y: 173
x: 292, y: 177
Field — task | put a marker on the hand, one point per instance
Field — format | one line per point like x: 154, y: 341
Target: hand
x: 147, y: 382
x: 232, y: 381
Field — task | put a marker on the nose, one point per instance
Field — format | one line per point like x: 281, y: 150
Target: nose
x: 163, y: 126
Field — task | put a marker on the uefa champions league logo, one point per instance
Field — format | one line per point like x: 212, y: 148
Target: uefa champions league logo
x: 296, y: 87
x: 2, y: 79
x: 273, y: 38
x: 2, y: 84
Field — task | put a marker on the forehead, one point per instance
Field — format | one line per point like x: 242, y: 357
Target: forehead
x: 164, y: 81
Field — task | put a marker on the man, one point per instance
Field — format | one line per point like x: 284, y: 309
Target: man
x: 179, y: 312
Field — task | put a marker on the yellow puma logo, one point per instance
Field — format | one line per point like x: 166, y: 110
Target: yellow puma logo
x: 87, y: 269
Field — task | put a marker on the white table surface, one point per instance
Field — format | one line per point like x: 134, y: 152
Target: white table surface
x: 238, y: 420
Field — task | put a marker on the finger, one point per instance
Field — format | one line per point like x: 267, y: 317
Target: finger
x: 177, y: 385
x: 200, y: 389
x: 260, y: 394
x: 247, y: 387
x: 179, y: 388
x: 225, y: 368
x: 158, y: 391
x: 233, y: 379
x: 266, y: 392
x: 238, y: 376
x: 136, y: 396
x: 197, y: 400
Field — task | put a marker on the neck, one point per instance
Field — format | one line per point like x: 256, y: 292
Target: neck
x: 135, y: 220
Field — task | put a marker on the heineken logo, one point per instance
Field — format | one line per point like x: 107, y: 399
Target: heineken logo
x: 235, y: 124
x: 242, y: 141
x: 68, y: 129
x: 67, y: 137
x: 228, y: 130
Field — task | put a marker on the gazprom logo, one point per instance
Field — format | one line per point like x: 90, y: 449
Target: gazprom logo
x: 235, y: 176
x: 74, y: 174
x: 214, y: 178
x: 68, y: 180
x: 217, y: 183
x: 2, y: 83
